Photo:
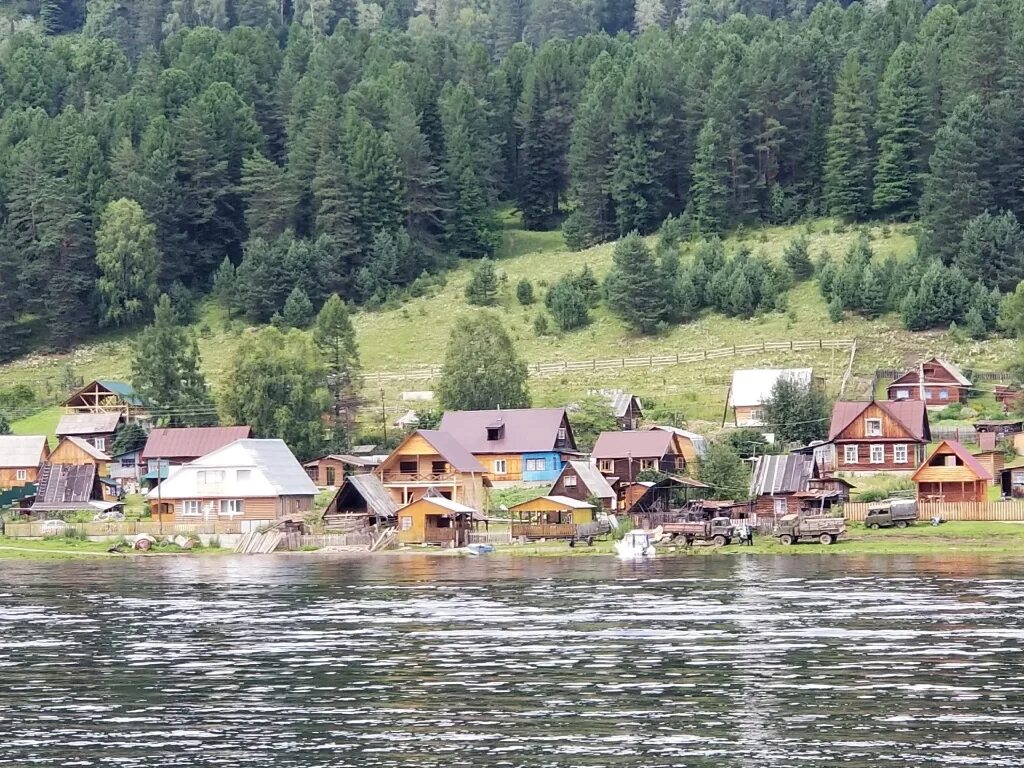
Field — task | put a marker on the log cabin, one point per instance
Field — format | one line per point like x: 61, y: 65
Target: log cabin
x: 21, y: 456
x: 434, y: 519
x: 750, y: 390
x: 951, y: 474
x: 935, y: 382
x: 251, y: 482
x: 877, y: 436
x: 430, y: 459
x: 98, y: 429
x: 784, y: 483
x: 581, y: 481
x: 519, y: 446
x: 626, y: 455
x: 550, y: 517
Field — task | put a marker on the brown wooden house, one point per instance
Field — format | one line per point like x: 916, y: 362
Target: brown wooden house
x: 20, y: 459
x: 935, y: 382
x: 428, y: 460
x: 626, y: 454
x: 784, y: 483
x: 73, y: 450
x: 581, y: 481
x: 877, y: 436
x: 951, y: 474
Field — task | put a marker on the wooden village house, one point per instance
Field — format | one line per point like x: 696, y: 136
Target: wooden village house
x: 877, y: 436
x: 105, y: 396
x: 170, y: 447
x: 784, y: 483
x: 97, y: 429
x: 330, y: 471
x: 550, y: 517
x: 935, y: 382
x: 625, y: 407
x: 361, y: 502
x: 21, y: 456
x: 626, y: 455
x: 580, y: 480
x: 750, y: 390
x: 428, y: 460
x: 433, y: 519
x: 516, y: 446
x: 951, y: 474
x: 74, y: 450
x: 249, y: 482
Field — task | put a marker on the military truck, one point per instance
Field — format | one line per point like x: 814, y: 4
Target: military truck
x: 891, y: 512
x: 792, y: 529
x: 717, y: 530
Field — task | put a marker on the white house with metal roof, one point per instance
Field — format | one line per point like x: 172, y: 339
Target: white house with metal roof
x: 752, y: 387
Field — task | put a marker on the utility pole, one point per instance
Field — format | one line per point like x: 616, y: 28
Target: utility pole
x: 383, y: 417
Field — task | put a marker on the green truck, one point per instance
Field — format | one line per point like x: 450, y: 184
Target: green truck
x: 891, y: 513
x: 792, y: 529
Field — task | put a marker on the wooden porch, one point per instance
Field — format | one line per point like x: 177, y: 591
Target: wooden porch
x: 543, y: 530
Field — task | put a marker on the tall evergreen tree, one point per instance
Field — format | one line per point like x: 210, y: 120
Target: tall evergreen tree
x: 708, y: 192
x: 265, y: 187
x: 129, y: 263
x: 635, y: 289
x: 848, y: 162
x: 335, y: 341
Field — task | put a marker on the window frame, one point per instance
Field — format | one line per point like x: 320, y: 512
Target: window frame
x: 239, y: 505
x: 403, y: 467
x: 499, y: 466
x: 406, y: 523
x: 21, y: 474
x: 646, y: 464
x: 879, y: 450
x: 605, y: 465
x: 563, y: 434
x: 869, y: 427
x: 99, y: 443
x: 536, y: 465
x: 855, y: 450
x: 570, y: 481
x: 896, y: 453
x: 186, y: 504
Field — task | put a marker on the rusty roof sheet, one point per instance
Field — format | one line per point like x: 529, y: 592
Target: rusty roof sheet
x: 527, y: 430
x: 639, y: 444
x: 781, y: 473
x: 912, y: 414
x: 190, y: 442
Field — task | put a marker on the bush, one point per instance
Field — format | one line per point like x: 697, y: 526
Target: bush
x: 541, y: 326
x: 524, y: 292
x: 567, y: 304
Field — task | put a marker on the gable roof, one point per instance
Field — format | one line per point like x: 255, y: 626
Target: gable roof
x: 190, y: 442
x: 912, y: 415
x: 371, y: 490
x: 88, y: 423
x: 637, y: 444
x: 594, y: 481
x: 620, y: 402
x: 448, y: 448
x: 67, y: 487
x: 781, y: 473
x: 563, y: 501
x: 753, y: 386
x: 89, y: 448
x: 123, y: 390
x: 951, y: 448
x: 526, y: 430
x: 276, y: 472
x: 445, y: 504
x: 953, y: 370
x: 912, y: 376
x: 21, y: 451
x: 699, y: 442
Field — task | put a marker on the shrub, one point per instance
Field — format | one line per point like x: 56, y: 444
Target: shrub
x: 524, y: 292
x: 541, y: 326
x: 567, y: 304
x: 482, y: 289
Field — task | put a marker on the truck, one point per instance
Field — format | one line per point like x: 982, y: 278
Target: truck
x: 718, y: 530
x: 891, y: 512
x: 795, y: 528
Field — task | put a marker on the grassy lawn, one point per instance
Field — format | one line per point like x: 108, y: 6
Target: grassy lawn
x: 415, y: 334
x: 42, y: 423
x: 67, y: 548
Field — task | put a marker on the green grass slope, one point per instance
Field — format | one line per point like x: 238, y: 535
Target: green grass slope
x: 414, y: 334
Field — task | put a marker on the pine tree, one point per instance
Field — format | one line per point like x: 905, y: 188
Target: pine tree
x: 128, y: 262
x: 992, y: 250
x: 568, y: 304
x: 634, y: 286
x: 524, y: 292
x: 266, y: 189
x: 848, y: 163
x: 902, y: 119
x: 298, y: 309
x: 741, y: 302
x: 224, y: 284
x: 835, y: 310
x: 872, y: 294
x: 797, y: 256
x: 335, y: 340
x: 974, y: 324
x: 482, y: 289
x: 708, y: 192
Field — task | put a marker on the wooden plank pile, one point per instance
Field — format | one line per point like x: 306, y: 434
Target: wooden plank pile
x: 256, y: 543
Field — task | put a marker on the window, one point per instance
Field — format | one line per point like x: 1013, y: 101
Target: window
x: 646, y: 464
x: 943, y: 394
x: 873, y: 427
x: 561, y: 434
x: 127, y: 462
x: 680, y: 462
x: 570, y: 481
x: 496, y: 432
x: 757, y: 415
x: 210, y: 476
x: 100, y: 443
x: 780, y: 506
x: 231, y: 507
x: 536, y: 465
x: 22, y: 474
x: 902, y: 394
x: 190, y: 508
x: 406, y: 523
x: 407, y: 467
x: 332, y: 476
x: 927, y: 394
x: 500, y: 466
x: 438, y: 467
x: 851, y: 454
x: 246, y: 474
x: 899, y: 454
x: 605, y: 465
x: 877, y: 454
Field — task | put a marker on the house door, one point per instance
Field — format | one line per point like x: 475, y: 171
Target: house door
x: 330, y: 477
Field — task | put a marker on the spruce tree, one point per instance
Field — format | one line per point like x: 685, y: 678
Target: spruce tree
x: 797, y: 257
x: 128, y: 262
x: 634, y: 286
x: 267, y: 191
x: 524, y: 292
x: 992, y: 250
x: 708, y: 191
x: 335, y: 341
x: 568, y: 304
x: 873, y: 294
x: 848, y: 161
x: 482, y: 289
x: 298, y: 309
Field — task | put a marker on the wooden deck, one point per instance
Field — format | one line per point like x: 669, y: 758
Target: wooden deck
x: 543, y: 530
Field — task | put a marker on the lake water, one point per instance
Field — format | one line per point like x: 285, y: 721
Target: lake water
x: 787, y: 662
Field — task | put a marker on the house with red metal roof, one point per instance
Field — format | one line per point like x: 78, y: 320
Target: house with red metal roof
x: 429, y: 460
x: 952, y: 474
x: 877, y: 436
x: 176, y: 446
x: 518, y: 445
x: 626, y: 454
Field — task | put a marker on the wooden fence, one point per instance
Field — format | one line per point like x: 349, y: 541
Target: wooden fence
x: 989, y: 511
x: 648, y: 361
x: 490, y: 537
x: 40, y: 529
x: 960, y: 434
x: 296, y: 541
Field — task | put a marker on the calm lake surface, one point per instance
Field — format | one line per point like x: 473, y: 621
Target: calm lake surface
x: 416, y: 661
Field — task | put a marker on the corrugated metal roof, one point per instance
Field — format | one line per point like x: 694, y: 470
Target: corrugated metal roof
x: 451, y: 450
x: 638, y: 444
x: 781, y: 473
x: 21, y: 451
x: 374, y: 493
x: 593, y: 480
x: 88, y: 423
x: 912, y: 414
x: 187, y: 443
x: 751, y: 387
x: 973, y: 467
x: 563, y: 501
x: 89, y: 448
x: 620, y: 402
x: 122, y: 389
x: 527, y: 430
x: 67, y: 487
x: 274, y: 471
x: 954, y: 371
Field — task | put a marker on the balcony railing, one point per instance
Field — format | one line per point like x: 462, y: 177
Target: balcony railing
x: 418, y: 477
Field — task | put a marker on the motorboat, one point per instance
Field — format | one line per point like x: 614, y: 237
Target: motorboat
x: 636, y: 545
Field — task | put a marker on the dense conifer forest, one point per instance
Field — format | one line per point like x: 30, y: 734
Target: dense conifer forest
x: 275, y: 152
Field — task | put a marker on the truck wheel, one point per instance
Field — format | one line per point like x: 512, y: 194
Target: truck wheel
x: 785, y: 539
x: 719, y: 540
x: 826, y: 538
x: 901, y: 523
x: 873, y: 526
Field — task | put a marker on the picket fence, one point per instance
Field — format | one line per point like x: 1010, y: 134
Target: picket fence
x: 989, y: 511
x: 648, y: 361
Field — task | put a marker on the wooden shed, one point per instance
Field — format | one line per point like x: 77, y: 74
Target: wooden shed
x: 75, y: 450
x: 435, y: 520
x: 550, y: 517
x: 952, y: 474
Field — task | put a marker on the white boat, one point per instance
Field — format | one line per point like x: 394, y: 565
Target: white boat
x: 636, y: 545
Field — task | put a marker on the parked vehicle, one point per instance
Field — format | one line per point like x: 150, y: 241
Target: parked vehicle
x: 635, y: 545
x: 792, y: 529
x: 891, y: 512
x: 718, y: 530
